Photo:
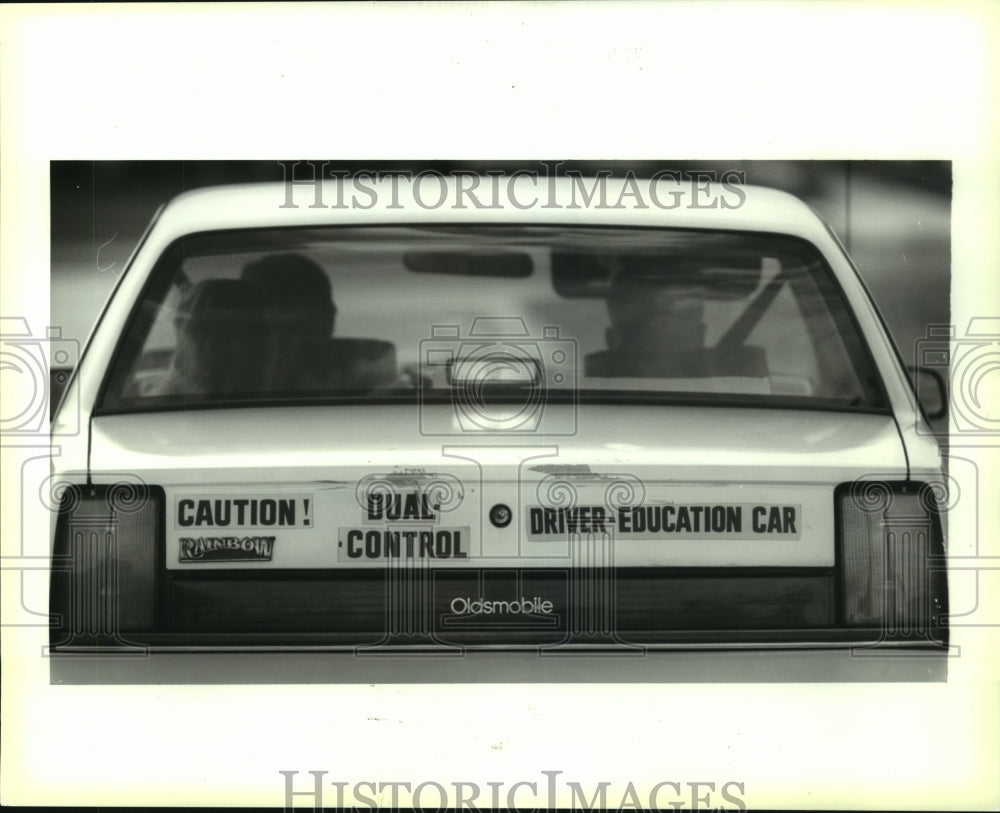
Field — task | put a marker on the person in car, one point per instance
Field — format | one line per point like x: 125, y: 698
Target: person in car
x: 301, y: 315
x: 221, y: 340
x: 656, y: 330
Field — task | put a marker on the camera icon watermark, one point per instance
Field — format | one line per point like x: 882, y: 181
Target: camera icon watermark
x: 895, y: 571
x: 971, y: 365
x: 498, y: 380
x: 103, y: 568
x: 35, y: 369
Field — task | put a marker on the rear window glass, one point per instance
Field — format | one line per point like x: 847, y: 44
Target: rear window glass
x: 392, y: 314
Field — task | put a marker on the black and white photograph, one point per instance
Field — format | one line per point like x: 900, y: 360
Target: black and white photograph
x: 500, y: 408
x: 408, y: 458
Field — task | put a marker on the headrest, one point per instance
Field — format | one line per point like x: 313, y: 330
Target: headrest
x: 220, y: 304
x: 360, y: 364
x: 297, y: 290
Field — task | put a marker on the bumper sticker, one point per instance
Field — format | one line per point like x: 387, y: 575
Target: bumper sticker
x: 668, y: 521
x: 401, y: 542
x: 211, y: 511
x: 226, y: 548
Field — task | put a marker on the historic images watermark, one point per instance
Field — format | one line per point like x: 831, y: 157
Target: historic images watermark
x: 550, y: 790
x: 311, y: 184
x: 969, y: 360
x: 499, y: 355
x: 36, y: 367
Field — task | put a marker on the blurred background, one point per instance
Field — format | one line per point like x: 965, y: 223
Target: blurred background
x: 894, y: 217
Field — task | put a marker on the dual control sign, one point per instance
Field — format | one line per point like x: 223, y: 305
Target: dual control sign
x: 401, y: 526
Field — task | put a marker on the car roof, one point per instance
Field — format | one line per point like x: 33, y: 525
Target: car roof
x: 509, y: 199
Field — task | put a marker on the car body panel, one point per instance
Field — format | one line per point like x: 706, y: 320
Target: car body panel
x: 696, y: 457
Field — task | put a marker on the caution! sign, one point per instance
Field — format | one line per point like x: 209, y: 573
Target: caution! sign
x: 253, y: 511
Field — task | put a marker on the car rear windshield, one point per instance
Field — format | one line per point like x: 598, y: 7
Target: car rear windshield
x: 592, y: 315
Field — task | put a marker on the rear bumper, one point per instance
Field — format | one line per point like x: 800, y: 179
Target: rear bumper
x: 555, y: 665
x: 622, y: 611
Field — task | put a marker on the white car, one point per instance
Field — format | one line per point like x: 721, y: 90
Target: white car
x: 585, y: 414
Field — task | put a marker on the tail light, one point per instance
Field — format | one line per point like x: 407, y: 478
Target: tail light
x: 891, y: 547
x: 104, y: 563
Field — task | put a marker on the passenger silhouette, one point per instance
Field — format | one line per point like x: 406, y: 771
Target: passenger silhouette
x: 657, y: 309
x: 657, y: 328
x: 301, y: 314
x: 221, y: 340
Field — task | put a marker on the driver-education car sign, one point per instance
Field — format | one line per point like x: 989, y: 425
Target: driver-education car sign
x: 669, y: 521
x: 661, y: 524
